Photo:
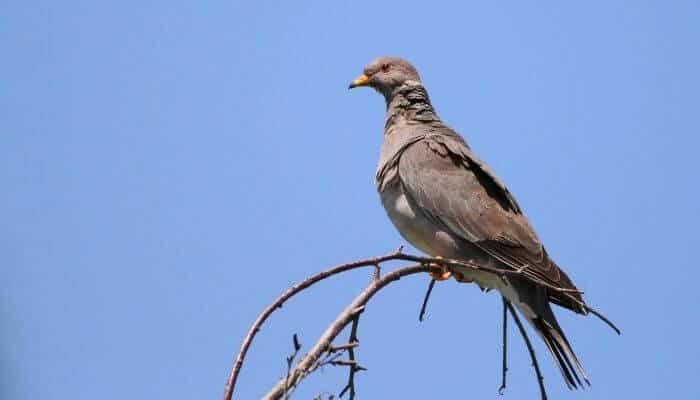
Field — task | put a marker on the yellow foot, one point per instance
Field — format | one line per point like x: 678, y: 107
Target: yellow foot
x: 442, y: 275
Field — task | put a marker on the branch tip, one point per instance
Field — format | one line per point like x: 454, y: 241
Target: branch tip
x: 425, y: 300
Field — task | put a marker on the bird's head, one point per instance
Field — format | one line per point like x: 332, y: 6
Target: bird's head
x: 385, y: 74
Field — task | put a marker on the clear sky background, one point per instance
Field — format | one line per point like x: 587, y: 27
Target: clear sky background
x: 169, y: 167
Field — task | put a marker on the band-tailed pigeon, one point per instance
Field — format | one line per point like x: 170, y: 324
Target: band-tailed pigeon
x: 448, y: 203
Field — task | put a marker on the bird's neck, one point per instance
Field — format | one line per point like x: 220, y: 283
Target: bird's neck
x: 409, y: 103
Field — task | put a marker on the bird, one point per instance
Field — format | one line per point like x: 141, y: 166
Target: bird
x: 448, y: 203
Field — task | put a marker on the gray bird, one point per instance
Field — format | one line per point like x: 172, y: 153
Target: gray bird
x: 448, y: 203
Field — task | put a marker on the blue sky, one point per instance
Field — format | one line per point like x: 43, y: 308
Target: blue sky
x: 170, y: 167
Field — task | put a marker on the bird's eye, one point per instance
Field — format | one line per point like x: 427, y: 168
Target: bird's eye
x: 385, y: 67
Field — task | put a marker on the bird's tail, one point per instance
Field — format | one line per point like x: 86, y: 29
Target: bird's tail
x: 554, y: 339
x: 533, y: 302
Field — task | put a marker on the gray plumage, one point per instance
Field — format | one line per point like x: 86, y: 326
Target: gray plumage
x: 447, y: 202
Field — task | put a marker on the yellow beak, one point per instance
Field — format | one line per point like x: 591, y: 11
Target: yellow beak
x: 362, y: 80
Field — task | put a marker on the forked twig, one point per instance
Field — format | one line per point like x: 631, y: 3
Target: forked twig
x: 348, y: 315
x: 290, y: 360
x: 265, y: 314
x: 353, y: 366
x: 426, y: 264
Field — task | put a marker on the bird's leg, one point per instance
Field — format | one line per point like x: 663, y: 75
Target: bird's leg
x: 442, y: 275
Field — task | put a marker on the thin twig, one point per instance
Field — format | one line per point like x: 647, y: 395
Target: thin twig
x: 328, y: 359
x: 603, y: 318
x: 504, y: 367
x: 238, y: 363
x: 290, y: 360
x: 342, y: 347
x: 519, y: 272
x: 331, y: 357
x: 425, y: 300
x: 376, y: 261
x: 448, y: 262
x: 301, y: 369
x: 351, y: 355
x: 533, y: 357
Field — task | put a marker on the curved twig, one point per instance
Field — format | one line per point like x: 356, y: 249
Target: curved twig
x: 262, y: 317
x: 334, y: 329
x: 375, y: 262
x: 425, y: 300
x: 530, y: 349
x: 603, y: 318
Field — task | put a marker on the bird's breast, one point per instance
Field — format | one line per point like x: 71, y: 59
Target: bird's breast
x: 413, y: 225
x: 432, y: 238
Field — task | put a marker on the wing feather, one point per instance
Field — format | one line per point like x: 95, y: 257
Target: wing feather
x: 453, y: 185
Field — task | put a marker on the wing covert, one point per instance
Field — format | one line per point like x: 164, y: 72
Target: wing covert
x: 462, y: 192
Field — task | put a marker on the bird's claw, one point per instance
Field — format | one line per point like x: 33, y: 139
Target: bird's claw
x: 443, y: 274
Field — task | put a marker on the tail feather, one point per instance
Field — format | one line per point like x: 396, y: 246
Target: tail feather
x: 533, y: 302
x: 560, y: 349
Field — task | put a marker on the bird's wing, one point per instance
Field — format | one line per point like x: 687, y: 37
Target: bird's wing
x: 454, y: 186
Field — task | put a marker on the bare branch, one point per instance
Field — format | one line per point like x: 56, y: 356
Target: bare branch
x: 533, y: 357
x: 504, y: 367
x: 328, y: 359
x: 306, y: 365
x: 603, y: 318
x: 238, y: 363
x: 290, y: 360
x: 341, y: 347
x: 498, y: 271
x: 425, y: 300
x: 334, y: 329
x: 353, y: 364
